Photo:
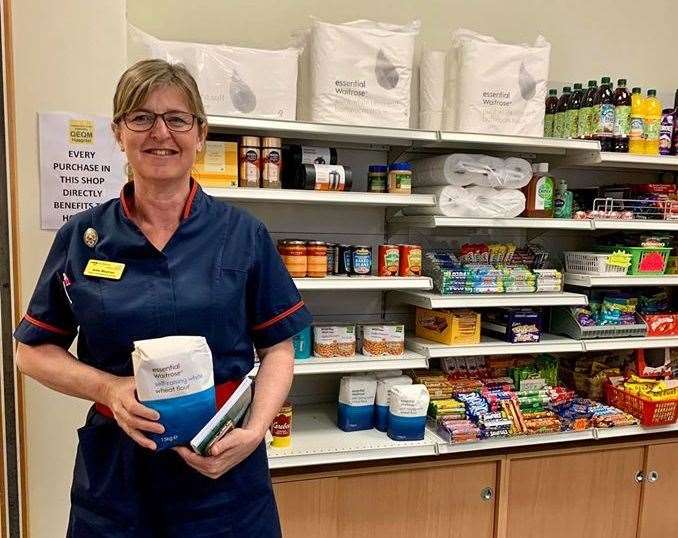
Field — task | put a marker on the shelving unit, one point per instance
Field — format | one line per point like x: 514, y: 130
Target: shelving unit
x: 363, y: 283
x: 630, y: 161
x: 491, y: 346
x: 590, y: 281
x: 435, y: 300
x: 434, y: 221
x: 647, y: 342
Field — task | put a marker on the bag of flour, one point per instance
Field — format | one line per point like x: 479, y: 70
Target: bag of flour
x: 356, y: 403
x: 174, y: 376
x: 360, y: 73
x: 494, y: 87
x: 384, y: 387
x: 407, y: 412
x: 233, y: 81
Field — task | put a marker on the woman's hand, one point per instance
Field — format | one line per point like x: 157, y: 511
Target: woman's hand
x: 131, y: 416
x: 226, y: 453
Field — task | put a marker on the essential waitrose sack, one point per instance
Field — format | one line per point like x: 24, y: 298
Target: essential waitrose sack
x: 408, y: 405
x: 384, y: 387
x: 356, y: 403
x: 174, y: 376
x: 494, y: 87
x: 233, y: 81
x: 360, y: 73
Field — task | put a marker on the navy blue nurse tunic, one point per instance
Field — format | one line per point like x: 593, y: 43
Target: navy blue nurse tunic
x: 220, y: 277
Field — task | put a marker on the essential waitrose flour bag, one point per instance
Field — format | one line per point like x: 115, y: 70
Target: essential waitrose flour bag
x: 407, y: 412
x: 384, y: 387
x: 174, y: 376
x: 356, y: 403
x: 233, y: 81
x: 360, y: 73
x: 494, y: 87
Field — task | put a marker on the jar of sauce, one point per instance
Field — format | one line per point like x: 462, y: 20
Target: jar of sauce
x: 294, y: 257
x: 316, y: 253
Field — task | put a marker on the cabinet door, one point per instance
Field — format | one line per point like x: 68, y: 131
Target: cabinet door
x: 658, y: 517
x: 582, y: 495
x: 439, y: 502
x: 307, y: 508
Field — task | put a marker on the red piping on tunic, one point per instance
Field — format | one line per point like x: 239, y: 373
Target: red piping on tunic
x: 46, y: 326
x: 185, y: 212
x: 279, y: 317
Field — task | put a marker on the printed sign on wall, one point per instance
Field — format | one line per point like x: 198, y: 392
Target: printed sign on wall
x: 81, y: 166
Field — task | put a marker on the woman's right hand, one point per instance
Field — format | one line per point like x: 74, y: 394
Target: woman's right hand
x: 131, y: 416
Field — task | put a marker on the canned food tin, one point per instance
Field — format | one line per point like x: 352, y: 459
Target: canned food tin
x: 389, y: 260
x: 361, y: 259
x: 410, y: 260
x: 331, y: 257
x: 281, y: 429
x: 293, y: 254
x: 342, y: 262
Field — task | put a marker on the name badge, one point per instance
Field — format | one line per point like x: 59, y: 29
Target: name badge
x: 104, y: 269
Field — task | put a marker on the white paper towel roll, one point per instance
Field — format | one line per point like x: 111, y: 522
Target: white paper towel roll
x: 465, y: 169
x: 480, y: 202
x: 431, y: 89
x: 450, y: 200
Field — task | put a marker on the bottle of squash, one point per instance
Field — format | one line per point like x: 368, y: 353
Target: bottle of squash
x: 539, y: 193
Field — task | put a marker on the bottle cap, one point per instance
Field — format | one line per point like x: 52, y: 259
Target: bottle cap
x: 567, y: 89
x: 621, y: 82
x: 377, y: 168
x: 593, y: 83
x: 605, y: 80
x: 637, y: 90
x: 553, y: 92
x: 652, y: 93
x: 401, y: 166
x: 577, y: 86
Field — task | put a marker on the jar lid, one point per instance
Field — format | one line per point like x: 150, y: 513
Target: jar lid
x: 271, y: 142
x: 249, y: 141
x: 291, y: 242
x: 377, y: 168
x: 316, y: 243
x: 361, y: 246
x: 401, y: 166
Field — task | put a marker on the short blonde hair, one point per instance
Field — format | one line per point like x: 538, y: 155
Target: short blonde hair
x: 145, y: 76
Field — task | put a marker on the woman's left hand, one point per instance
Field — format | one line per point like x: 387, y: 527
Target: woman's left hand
x: 226, y: 453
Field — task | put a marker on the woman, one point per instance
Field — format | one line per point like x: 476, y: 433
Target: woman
x: 192, y: 266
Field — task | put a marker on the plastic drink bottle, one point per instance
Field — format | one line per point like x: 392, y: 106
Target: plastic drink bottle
x: 586, y: 124
x: 561, y: 114
x: 551, y: 107
x: 572, y: 114
x: 652, y: 116
x: 636, y: 123
x: 622, y: 112
x: 604, y: 112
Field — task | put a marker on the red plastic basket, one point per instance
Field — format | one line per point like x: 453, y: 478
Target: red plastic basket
x: 649, y: 412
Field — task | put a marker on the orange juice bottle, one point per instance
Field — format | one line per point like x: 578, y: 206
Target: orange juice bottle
x: 653, y: 116
x: 636, y: 142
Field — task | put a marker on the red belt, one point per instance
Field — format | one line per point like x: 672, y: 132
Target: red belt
x: 223, y: 392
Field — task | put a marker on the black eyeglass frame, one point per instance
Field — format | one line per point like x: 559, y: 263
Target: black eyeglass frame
x: 194, y: 117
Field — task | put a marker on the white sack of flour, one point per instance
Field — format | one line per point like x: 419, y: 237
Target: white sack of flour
x: 360, y: 73
x: 233, y: 81
x: 408, y: 405
x: 384, y: 386
x: 174, y: 376
x: 355, y: 410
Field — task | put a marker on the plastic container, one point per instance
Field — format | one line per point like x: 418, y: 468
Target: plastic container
x: 551, y: 107
x: 592, y: 263
x: 652, y: 116
x: 377, y: 178
x: 563, y: 322
x: 649, y: 412
x: 636, y: 123
x: 647, y: 260
x: 400, y: 178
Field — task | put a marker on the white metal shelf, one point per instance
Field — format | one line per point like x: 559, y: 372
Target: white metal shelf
x: 316, y: 440
x: 492, y: 346
x: 635, y: 224
x: 357, y: 363
x: 435, y: 221
x: 631, y: 431
x: 435, y: 300
x: 320, y: 131
x: 286, y: 196
x: 631, y: 161
x: 647, y: 342
x: 363, y: 283
x: 592, y: 281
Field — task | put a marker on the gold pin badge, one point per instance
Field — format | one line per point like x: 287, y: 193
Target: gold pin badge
x: 90, y: 237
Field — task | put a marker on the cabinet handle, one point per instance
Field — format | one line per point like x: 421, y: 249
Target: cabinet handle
x: 640, y: 477
x: 486, y: 494
x: 653, y: 476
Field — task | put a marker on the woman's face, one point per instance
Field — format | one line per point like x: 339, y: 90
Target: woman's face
x: 160, y: 153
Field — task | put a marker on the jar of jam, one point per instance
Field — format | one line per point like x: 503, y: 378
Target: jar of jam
x: 294, y: 256
x: 316, y: 254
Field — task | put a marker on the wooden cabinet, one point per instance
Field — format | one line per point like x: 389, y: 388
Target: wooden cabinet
x: 579, y: 495
x: 308, y: 507
x: 658, y: 516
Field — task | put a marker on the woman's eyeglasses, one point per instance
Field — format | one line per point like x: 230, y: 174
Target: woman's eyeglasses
x: 143, y: 120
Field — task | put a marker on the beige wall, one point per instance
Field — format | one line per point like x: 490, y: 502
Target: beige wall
x: 68, y: 55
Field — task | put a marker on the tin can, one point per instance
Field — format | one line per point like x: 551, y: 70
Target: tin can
x: 361, y: 260
x: 342, y: 262
x: 331, y: 257
x: 281, y: 428
x: 389, y: 260
x: 316, y: 255
x: 410, y: 260
x: 293, y: 254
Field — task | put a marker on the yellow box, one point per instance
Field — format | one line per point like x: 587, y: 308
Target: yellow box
x: 448, y: 326
x: 217, y: 164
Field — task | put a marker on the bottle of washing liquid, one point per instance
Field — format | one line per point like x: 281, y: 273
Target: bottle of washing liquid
x: 562, y: 205
x: 539, y: 193
x: 653, y: 116
x: 636, y: 142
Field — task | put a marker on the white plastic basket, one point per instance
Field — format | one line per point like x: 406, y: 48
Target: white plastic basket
x: 592, y: 263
